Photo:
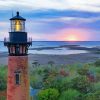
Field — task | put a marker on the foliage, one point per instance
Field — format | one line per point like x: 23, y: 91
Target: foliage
x: 97, y: 94
x: 80, y: 79
x: 64, y: 73
x: 49, y: 77
x: 36, y: 81
x: 90, y: 96
x: 82, y: 84
x: 60, y: 83
x: 3, y: 78
x: 48, y: 94
x: 3, y: 98
x: 83, y: 71
x: 70, y: 94
x: 97, y: 86
x: 93, y: 96
x: 97, y: 63
x: 84, y: 78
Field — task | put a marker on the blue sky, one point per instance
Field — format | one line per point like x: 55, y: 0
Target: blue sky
x: 54, y: 19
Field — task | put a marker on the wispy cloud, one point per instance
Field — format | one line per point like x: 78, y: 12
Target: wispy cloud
x: 83, y: 5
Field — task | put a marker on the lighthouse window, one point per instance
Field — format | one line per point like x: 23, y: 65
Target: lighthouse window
x: 17, y: 78
x: 18, y: 25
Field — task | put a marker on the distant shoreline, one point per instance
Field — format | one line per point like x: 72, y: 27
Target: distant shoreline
x: 71, y: 47
x: 91, y: 55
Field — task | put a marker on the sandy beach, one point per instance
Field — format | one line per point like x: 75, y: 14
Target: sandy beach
x: 57, y: 59
x: 92, y: 54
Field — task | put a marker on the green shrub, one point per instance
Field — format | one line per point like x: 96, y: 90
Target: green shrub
x: 48, y: 94
x: 62, y: 84
x: 3, y: 78
x: 90, y: 96
x: 82, y: 84
x: 2, y: 98
x: 36, y: 81
x: 97, y: 95
x: 97, y: 63
x: 49, y: 78
x: 97, y: 86
x: 93, y: 96
x: 3, y: 84
x: 83, y: 71
x: 70, y: 94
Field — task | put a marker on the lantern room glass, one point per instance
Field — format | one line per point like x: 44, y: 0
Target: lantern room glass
x: 17, y: 26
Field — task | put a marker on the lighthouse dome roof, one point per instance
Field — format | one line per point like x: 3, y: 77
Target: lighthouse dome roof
x: 17, y: 17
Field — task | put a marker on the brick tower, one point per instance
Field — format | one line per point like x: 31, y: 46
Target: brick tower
x: 18, y: 44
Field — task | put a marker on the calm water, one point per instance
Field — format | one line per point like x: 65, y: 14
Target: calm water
x: 58, y: 51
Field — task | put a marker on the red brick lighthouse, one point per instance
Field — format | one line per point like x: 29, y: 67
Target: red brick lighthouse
x: 18, y: 44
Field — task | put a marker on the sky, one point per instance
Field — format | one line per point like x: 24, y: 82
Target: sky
x: 54, y: 20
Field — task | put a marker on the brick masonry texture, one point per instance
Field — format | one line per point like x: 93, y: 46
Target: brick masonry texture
x: 21, y: 91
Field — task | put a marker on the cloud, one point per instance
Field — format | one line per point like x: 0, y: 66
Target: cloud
x: 50, y: 24
x: 81, y: 34
x: 80, y: 5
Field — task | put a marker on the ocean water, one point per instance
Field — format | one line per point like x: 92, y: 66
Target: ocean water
x: 34, y: 49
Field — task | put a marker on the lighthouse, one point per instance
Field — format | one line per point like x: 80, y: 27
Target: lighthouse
x: 17, y: 44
